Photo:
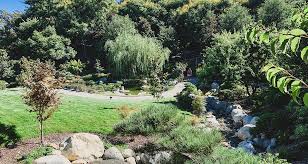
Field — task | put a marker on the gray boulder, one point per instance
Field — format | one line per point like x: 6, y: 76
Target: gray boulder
x: 247, y: 146
x: 108, y: 161
x: 238, y: 118
x: 211, y: 121
x: 231, y: 107
x: 163, y: 157
x: 128, y: 153
x: 215, y: 87
x: 113, y: 153
x: 244, y: 132
x: 80, y: 161
x: 144, y: 158
x: 131, y: 160
x: 82, y: 146
x: 52, y: 159
x: 254, y: 120
x: 247, y: 119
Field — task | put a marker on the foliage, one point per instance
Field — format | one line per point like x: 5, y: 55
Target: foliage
x: 290, y: 43
x: 119, y: 25
x: 42, y: 95
x: 2, y: 84
x: 6, y: 65
x: 187, y: 98
x: 281, y: 18
x: 235, y: 18
x: 177, y: 71
x: 198, y: 105
x: 156, y: 86
x: 46, y: 44
x: 133, y: 56
x: 74, y: 66
x: 190, y: 139
x: 224, y: 155
x: 37, y: 153
x: 126, y: 111
x: 151, y: 120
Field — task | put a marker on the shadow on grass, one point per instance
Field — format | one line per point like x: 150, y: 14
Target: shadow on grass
x: 165, y: 102
x: 8, y: 135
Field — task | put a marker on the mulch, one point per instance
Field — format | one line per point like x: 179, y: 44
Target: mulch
x: 13, y: 155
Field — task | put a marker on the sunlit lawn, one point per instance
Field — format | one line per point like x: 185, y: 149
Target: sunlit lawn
x: 75, y: 114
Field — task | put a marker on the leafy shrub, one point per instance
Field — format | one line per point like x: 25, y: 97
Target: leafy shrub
x: 198, y: 105
x: 73, y: 66
x: 153, y: 119
x: 282, y: 15
x: 235, y: 18
x: 6, y: 65
x: 194, y: 120
x: 224, y: 155
x: 190, y: 139
x: 235, y: 93
x: 37, y: 153
x: 126, y: 111
x: 2, y: 84
x: 178, y: 71
x: 190, y: 98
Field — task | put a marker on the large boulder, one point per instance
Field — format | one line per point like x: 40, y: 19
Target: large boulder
x: 254, y: 120
x: 244, y: 132
x: 52, y: 159
x: 163, y: 157
x: 247, y: 119
x: 247, y: 146
x: 238, y: 118
x: 231, y: 107
x: 130, y: 160
x: 128, y: 153
x: 108, y: 161
x: 82, y: 146
x: 113, y: 153
x: 211, y: 121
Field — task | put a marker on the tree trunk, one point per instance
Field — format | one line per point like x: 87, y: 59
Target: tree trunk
x: 41, y: 132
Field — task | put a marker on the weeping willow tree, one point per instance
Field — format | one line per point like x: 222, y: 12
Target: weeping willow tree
x: 135, y: 56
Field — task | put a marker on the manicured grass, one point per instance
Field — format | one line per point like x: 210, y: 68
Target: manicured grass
x: 75, y: 114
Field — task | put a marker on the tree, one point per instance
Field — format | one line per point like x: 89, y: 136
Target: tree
x: 281, y: 16
x: 293, y: 44
x: 135, y: 56
x: 235, y: 18
x: 41, y: 95
x: 118, y: 25
x: 6, y: 65
x: 47, y: 45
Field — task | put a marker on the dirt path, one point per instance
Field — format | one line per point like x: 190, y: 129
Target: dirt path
x: 168, y: 94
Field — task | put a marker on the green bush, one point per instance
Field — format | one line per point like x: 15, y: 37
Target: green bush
x: 224, y: 155
x: 190, y: 139
x: 2, y: 85
x: 198, y: 105
x: 153, y: 119
x: 235, y: 18
x: 186, y: 98
x: 37, y: 153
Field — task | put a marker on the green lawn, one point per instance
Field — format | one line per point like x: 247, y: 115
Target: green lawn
x: 75, y: 114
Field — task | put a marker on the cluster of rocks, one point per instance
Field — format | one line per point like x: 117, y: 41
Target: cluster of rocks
x: 243, y: 123
x: 85, y: 148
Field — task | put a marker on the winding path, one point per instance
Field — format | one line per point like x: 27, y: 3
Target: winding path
x: 168, y: 94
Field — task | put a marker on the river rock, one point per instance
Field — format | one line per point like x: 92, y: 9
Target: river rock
x: 247, y: 119
x: 232, y: 107
x: 108, y: 161
x: 254, y: 120
x: 247, y: 146
x: 52, y: 159
x: 244, y: 132
x: 144, y: 158
x: 80, y: 161
x: 163, y: 157
x: 113, y: 153
x: 130, y: 160
x: 82, y: 146
x: 128, y: 153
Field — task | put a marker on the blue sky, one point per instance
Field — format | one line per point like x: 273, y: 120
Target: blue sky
x: 12, y: 5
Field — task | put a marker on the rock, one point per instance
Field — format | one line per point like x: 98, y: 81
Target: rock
x: 238, y: 118
x: 52, y: 159
x: 247, y: 119
x: 244, y: 132
x: 258, y: 142
x: 254, y: 120
x: 211, y: 121
x: 82, y: 146
x: 109, y: 161
x: 144, y: 158
x: 273, y: 142
x: 237, y: 111
x: 80, y: 161
x: 220, y: 106
x: 128, y: 153
x: 131, y: 160
x: 56, y: 152
x: 266, y: 143
x: 247, y: 146
x: 231, y: 107
x: 214, y: 87
x: 138, y: 159
x: 113, y: 153
x: 162, y: 158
